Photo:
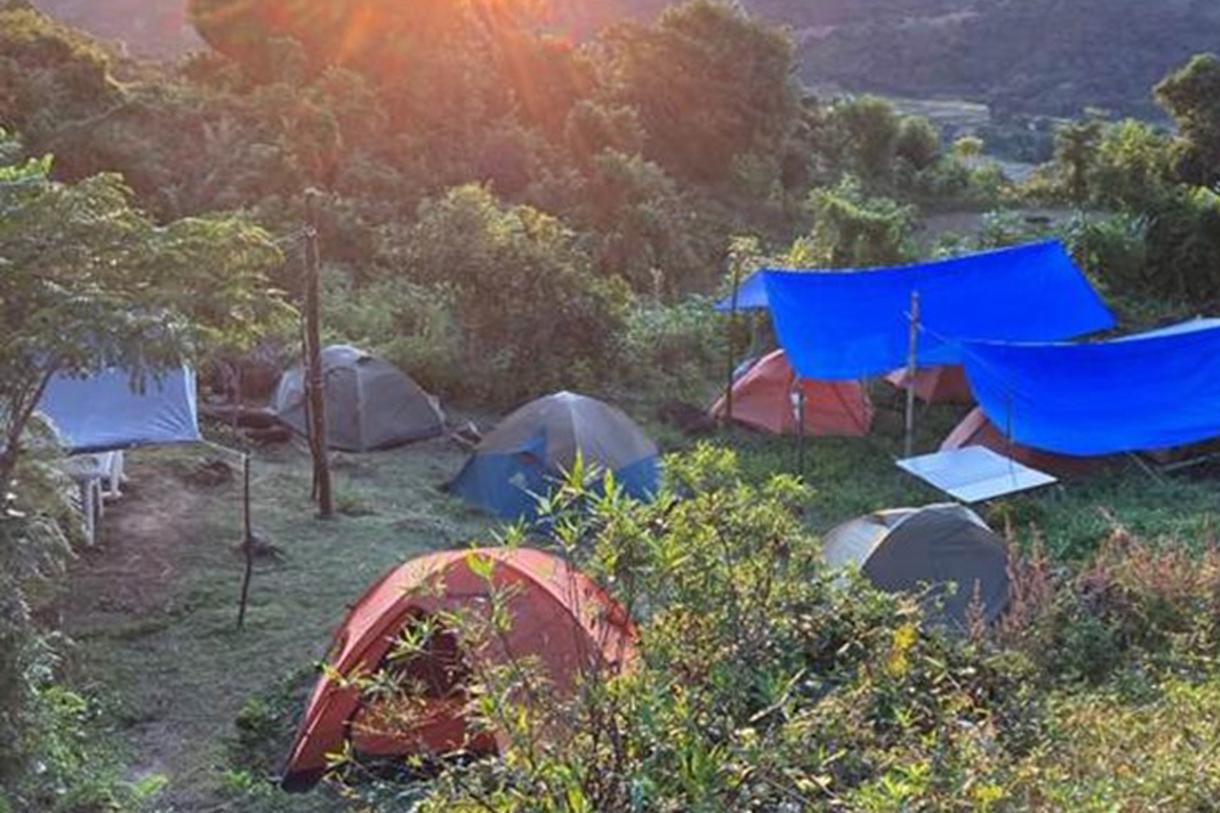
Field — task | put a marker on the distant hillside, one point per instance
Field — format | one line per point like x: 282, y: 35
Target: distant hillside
x: 149, y: 28
x: 1049, y: 57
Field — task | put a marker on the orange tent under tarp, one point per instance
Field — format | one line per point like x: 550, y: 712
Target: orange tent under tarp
x: 977, y: 430
x: 936, y: 385
x: 560, y: 619
x: 763, y: 399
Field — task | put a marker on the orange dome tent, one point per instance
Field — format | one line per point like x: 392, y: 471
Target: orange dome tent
x: 762, y: 398
x: 936, y: 385
x: 977, y: 430
x: 559, y: 617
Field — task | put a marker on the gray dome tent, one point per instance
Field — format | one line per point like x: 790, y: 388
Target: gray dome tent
x: 908, y: 549
x: 370, y: 403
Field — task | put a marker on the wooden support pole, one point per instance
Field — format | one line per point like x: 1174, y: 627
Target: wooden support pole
x: 247, y: 543
x: 315, y: 376
x: 912, y: 372
x: 731, y: 366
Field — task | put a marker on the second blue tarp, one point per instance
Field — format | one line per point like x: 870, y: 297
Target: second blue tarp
x: 1156, y: 390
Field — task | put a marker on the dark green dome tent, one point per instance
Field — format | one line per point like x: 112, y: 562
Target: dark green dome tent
x: 370, y: 403
x: 913, y: 549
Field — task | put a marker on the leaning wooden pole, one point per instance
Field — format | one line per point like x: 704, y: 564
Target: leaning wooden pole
x: 315, y: 376
x: 247, y: 542
x: 912, y: 372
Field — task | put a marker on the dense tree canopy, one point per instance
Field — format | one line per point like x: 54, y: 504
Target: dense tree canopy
x: 711, y: 84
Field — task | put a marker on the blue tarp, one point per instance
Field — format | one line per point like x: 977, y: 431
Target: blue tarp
x: 1156, y: 390
x: 104, y: 413
x: 751, y: 295
x: 850, y: 325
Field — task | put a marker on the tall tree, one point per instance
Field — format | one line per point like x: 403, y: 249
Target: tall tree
x: 88, y: 281
x: 870, y: 128
x: 1192, y: 97
x: 1076, y: 146
x: 711, y: 83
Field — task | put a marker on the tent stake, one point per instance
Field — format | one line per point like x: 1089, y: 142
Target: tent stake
x: 247, y: 544
x: 912, y: 371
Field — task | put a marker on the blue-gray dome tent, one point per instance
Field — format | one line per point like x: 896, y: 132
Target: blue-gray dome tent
x: 534, y: 446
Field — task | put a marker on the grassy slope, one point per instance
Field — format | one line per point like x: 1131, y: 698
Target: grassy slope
x: 153, y: 609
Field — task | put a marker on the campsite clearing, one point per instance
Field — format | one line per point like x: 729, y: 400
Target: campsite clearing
x: 153, y: 608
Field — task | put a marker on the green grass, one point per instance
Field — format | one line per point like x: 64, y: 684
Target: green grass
x: 153, y: 610
x: 852, y: 476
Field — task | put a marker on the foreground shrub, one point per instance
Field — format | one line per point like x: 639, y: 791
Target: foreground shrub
x: 1106, y: 752
x: 766, y: 682
x: 54, y: 752
x: 35, y: 546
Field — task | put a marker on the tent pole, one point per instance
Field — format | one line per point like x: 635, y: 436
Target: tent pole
x: 730, y: 366
x: 912, y: 371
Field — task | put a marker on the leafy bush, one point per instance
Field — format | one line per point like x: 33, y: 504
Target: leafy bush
x: 1107, y: 753
x: 1132, y: 167
x: 868, y: 131
x: 54, y: 753
x: 639, y: 225
x: 918, y: 142
x: 35, y: 545
x: 678, y: 348
x: 852, y: 230
x: 413, y: 326
x: 531, y: 313
x: 768, y: 682
x: 1159, y: 255
x: 765, y: 683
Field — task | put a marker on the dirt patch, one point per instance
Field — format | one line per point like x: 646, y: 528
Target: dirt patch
x: 133, y: 569
x: 128, y: 600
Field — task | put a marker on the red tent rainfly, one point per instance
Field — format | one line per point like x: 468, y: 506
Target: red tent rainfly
x: 561, y: 620
x: 936, y: 385
x: 763, y: 398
